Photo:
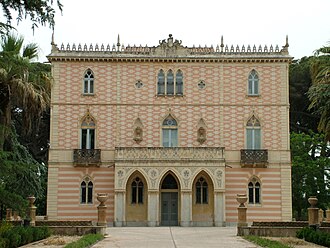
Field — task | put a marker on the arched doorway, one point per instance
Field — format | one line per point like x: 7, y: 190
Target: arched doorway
x: 203, y: 200
x: 169, y: 207
x: 136, y: 200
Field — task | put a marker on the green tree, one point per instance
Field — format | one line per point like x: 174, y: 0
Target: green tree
x: 300, y: 80
x: 21, y: 89
x: 40, y: 12
x: 310, y: 171
x: 24, y: 101
x: 319, y: 92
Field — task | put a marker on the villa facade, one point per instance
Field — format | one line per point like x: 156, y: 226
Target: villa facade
x: 171, y: 133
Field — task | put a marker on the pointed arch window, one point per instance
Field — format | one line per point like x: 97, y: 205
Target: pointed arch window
x: 88, y: 133
x: 179, y: 83
x: 201, y: 191
x: 137, y: 191
x: 253, y: 83
x: 89, y: 82
x: 253, y: 134
x: 86, y: 192
x: 161, y: 83
x: 170, y: 132
x: 254, y: 192
x: 171, y: 84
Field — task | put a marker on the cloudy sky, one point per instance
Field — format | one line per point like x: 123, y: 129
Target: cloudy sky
x: 203, y: 22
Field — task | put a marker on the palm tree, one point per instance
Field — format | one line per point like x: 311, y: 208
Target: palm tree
x: 20, y: 90
x: 319, y: 92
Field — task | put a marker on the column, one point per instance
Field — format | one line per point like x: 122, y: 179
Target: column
x: 219, y: 209
x: 186, y: 208
x: 153, y: 208
x: 313, y: 212
x: 119, y: 208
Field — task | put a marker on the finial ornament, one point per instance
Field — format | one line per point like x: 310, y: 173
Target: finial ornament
x: 222, y: 45
x: 118, y: 43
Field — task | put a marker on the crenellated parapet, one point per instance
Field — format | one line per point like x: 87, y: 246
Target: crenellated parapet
x: 167, y: 48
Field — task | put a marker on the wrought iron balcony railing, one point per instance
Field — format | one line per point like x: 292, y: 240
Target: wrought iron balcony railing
x: 87, y: 157
x: 254, y: 158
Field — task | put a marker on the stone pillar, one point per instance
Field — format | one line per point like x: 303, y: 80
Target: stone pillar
x: 241, y: 220
x: 119, y: 208
x: 9, y: 212
x: 321, y: 215
x: 327, y: 215
x: 32, y: 209
x: 219, y: 209
x: 186, y: 208
x: 102, y: 209
x: 313, y: 212
x: 153, y: 208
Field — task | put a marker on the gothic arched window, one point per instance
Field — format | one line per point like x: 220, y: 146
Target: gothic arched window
x: 253, y: 83
x: 253, y: 134
x: 89, y: 82
x: 137, y: 191
x: 201, y: 191
x: 170, y: 132
x: 170, y: 84
x: 254, y: 192
x: 86, y: 191
x: 161, y: 83
x: 88, y: 133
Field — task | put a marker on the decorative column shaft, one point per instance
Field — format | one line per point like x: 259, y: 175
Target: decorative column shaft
x: 102, y: 209
x: 321, y: 215
x: 241, y: 220
x: 327, y: 214
x: 32, y: 209
x: 313, y: 212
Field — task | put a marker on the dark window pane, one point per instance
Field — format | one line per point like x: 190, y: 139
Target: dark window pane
x: 161, y: 82
x: 92, y: 138
x: 251, y: 193
x: 91, y: 86
x: 257, y: 192
x: 179, y: 83
x: 83, y: 138
x: 83, y: 192
x: 169, y: 182
x: 134, y: 192
x: 205, y: 193
x: 140, y: 192
x: 198, y: 192
x: 90, y: 192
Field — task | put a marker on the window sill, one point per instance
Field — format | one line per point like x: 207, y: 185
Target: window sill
x: 88, y: 94
x: 171, y: 96
x: 258, y: 96
x: 255, y: 205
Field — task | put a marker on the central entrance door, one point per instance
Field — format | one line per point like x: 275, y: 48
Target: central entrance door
x: 169, y: 209
x: 169, y: 201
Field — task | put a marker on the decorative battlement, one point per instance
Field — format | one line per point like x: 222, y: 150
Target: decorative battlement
x: 168, y: 48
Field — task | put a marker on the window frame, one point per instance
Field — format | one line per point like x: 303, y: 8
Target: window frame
x: 201, y: 191
x: 254, y: 192
x: 89, y: 81
x: 86, y: 191
x: 253, y: 83
x: 88, y: 133
x: 170, y: 83
x: 253, y: 134
x: 137, y: 191
x: 170, y: 132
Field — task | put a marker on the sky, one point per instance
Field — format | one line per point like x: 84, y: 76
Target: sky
x: 203, y: 22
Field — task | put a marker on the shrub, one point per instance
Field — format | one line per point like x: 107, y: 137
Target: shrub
x: 314, y: 236
x: 4, y: 243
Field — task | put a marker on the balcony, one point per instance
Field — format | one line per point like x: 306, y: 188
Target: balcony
x: 87, y: 157
x: 254, y: 158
